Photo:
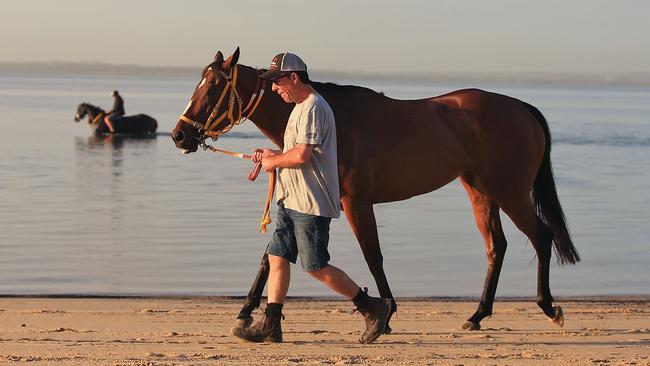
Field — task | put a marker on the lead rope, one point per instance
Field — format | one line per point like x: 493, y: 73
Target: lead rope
x: 252, y: 175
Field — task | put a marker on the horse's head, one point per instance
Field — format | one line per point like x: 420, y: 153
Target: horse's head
x: 82, y: 110
x: 208, y: 109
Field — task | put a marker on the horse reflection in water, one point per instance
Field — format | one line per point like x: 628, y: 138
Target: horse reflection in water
x: 140, y: 124
x: 102, y: 142
x: 391, y: 150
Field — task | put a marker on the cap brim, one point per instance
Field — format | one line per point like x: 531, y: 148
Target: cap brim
x: 272, y: 75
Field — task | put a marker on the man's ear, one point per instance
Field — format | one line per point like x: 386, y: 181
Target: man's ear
x: 232, y: 60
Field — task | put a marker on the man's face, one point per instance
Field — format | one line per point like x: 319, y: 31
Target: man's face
x: 284, y: 86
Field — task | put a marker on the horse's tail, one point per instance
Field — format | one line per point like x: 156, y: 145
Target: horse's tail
x: 547, y: 203
x: 153, y: 124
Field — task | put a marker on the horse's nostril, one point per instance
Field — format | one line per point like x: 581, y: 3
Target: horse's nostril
x: 179, y: 136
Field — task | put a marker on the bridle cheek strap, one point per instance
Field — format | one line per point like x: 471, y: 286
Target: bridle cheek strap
x: 207, y: 129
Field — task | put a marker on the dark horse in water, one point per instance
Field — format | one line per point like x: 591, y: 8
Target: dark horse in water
x: 391, y: 150
x: 140, y: 124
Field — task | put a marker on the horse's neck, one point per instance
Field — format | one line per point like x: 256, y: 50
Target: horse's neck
x: 94, y: 112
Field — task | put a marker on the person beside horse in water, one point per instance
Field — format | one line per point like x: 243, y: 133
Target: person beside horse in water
x: 117, y: 112
x: 308, y: 198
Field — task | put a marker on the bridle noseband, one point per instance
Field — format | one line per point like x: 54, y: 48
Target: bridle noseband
x: 207, y: 129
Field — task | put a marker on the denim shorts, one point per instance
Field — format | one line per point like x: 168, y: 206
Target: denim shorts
x: 299, y: 234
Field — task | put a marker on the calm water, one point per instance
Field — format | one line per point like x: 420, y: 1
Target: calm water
x: 87, y: 216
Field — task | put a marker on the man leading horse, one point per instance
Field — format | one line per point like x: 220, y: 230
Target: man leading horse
x: 390, y: 150
x: 308, y: 198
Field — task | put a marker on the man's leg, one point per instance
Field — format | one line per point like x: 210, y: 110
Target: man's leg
x: 281, y: 251
x: 374, y: 310
x: 312, y: 238
x: 109, y: 123
x: 337, y: 280
x: 269, y: 328
x: 279, y: 277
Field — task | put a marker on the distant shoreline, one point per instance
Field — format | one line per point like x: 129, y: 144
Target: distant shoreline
x: 516, y: 78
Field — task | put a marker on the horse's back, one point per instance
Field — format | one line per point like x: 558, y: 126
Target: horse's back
x: 136, y: 124
x: 493, y: 121
x: 414, y: 147
x: 504, y: 141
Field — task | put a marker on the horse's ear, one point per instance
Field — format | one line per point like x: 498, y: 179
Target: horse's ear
x: 232, y: 60
x: 218, y: 58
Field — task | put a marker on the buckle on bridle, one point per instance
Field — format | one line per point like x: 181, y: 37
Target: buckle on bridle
x: 203, y: 144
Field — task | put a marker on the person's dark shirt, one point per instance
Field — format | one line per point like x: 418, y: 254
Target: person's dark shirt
x: 118, y: 106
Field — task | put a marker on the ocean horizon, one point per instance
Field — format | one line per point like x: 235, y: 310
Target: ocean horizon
x: 578, y: 78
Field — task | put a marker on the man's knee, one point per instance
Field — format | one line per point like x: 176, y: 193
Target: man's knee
x: 319, y: 273
x: 276, y: 261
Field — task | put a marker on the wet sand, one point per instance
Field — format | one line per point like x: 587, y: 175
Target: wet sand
x: 196, y: 331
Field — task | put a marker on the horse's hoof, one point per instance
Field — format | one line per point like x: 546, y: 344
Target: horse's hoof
x: 468, y: 325
x: 241, y: 324
x: 387, y: 329
x: 559, y: 317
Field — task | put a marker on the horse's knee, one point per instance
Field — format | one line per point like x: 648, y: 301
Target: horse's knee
x: 496, y: 253
x: 374, y: 260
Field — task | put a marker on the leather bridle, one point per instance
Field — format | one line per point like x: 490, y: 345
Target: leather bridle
x: 235, y: 114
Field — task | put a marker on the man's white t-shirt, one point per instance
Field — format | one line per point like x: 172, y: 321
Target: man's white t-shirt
x: 313, y: 187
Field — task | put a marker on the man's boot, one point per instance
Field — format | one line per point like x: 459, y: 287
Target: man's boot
x: 375, y: 312
x: 269, y: 329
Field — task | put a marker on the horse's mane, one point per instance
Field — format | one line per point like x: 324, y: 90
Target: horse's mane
x: 329, y: 88
x: 94, y: 108
x: 322, y: 88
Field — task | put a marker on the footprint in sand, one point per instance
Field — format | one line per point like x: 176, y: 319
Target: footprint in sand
x: 638, y: 331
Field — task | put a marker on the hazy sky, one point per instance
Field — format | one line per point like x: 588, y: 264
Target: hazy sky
x: 590, y: 36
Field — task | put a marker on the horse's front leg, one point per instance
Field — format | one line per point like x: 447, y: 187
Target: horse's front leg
x: 361, y: 217
x: 254, y: 297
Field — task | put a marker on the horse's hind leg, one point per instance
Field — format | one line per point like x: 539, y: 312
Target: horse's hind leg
x: 521, y: 212
x: 486, y: 214
x: 361, y: 217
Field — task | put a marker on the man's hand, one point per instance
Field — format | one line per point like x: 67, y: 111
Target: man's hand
x: 293, y: 158
x: 268, y: 165
x: 259, y: 154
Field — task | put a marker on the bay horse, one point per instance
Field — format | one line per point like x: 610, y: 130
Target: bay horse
x: 391, y: 150
x: 140, y: 124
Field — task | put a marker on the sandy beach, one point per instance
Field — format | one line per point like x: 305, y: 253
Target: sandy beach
x: 196, y: 331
